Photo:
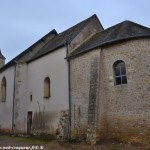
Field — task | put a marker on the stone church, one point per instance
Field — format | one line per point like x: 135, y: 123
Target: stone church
x: 85, y: 82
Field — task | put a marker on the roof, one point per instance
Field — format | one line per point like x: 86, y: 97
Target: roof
x: 122, y: 31
x: 62, y: 38
x: 1, y: 55
x: 27, y: 50
x: 54, y: 32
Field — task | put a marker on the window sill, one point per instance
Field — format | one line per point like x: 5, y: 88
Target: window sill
x: 121, y: 85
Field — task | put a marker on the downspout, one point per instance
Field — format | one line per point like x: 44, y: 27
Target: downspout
x: 69, y: 92
x: 14, y: 90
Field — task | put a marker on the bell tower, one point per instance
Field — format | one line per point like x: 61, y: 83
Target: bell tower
x: 2, y: 59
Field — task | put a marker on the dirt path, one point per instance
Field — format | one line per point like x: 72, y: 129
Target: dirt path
x: 23, y: 144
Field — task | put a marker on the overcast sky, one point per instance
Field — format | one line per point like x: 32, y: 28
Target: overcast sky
x: 23, y: 22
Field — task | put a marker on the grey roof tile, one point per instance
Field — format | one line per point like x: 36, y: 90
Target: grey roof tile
x: 62, y: 38
x: 52, y: 32
x: 122, y: 31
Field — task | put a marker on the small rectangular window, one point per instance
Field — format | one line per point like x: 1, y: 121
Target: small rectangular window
x: 47, y: 93
x: 120, y: 72
x: 31, y: 97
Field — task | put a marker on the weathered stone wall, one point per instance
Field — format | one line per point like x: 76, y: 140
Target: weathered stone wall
x: 128, y: 106
x: 120, y: 112
x: 84, y: 85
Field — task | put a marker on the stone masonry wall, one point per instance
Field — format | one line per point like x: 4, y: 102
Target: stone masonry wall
x: 120, y: 112
x: 84, y: 84
x: 128, y: 106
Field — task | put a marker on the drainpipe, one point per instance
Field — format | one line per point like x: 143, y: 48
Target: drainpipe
x: 14, y: 90
x: 69, y: 94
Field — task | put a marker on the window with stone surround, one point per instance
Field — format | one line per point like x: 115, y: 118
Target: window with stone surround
x: 3, y: 89
x: 47, y: 93
x: 120, y: 72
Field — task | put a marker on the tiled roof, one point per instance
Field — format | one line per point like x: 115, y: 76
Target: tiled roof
x: 52, y: 32
x: 62, y: 38
x: 27, y: 50
x: 121, y: 31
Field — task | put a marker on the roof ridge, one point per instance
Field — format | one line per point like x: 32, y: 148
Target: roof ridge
x: 125, y: 22
x: 121, y: 31
x: 85, y: 20
x: 53, y: 31
x: 64, y: 37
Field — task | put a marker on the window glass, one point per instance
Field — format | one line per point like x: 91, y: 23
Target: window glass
x: 117, y: 71
x: 3, y: 90
x: 118, y: 80
x: 47, y: 87
x: 124, y: 79
x: 120, y: 72
x: 123, y: 71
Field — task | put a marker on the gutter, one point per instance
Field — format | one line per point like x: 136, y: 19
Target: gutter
x: 14, y: 90
x: 69, y: 94
x: 107, y: 43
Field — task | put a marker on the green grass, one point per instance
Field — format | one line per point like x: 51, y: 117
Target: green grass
x: 117, y: 147
x: 5, y: 137
x: 38, y: 140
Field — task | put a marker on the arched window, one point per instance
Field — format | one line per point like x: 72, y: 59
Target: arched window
x: 3, y: 90
x: 120, y: 72
x: 47, y: 87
